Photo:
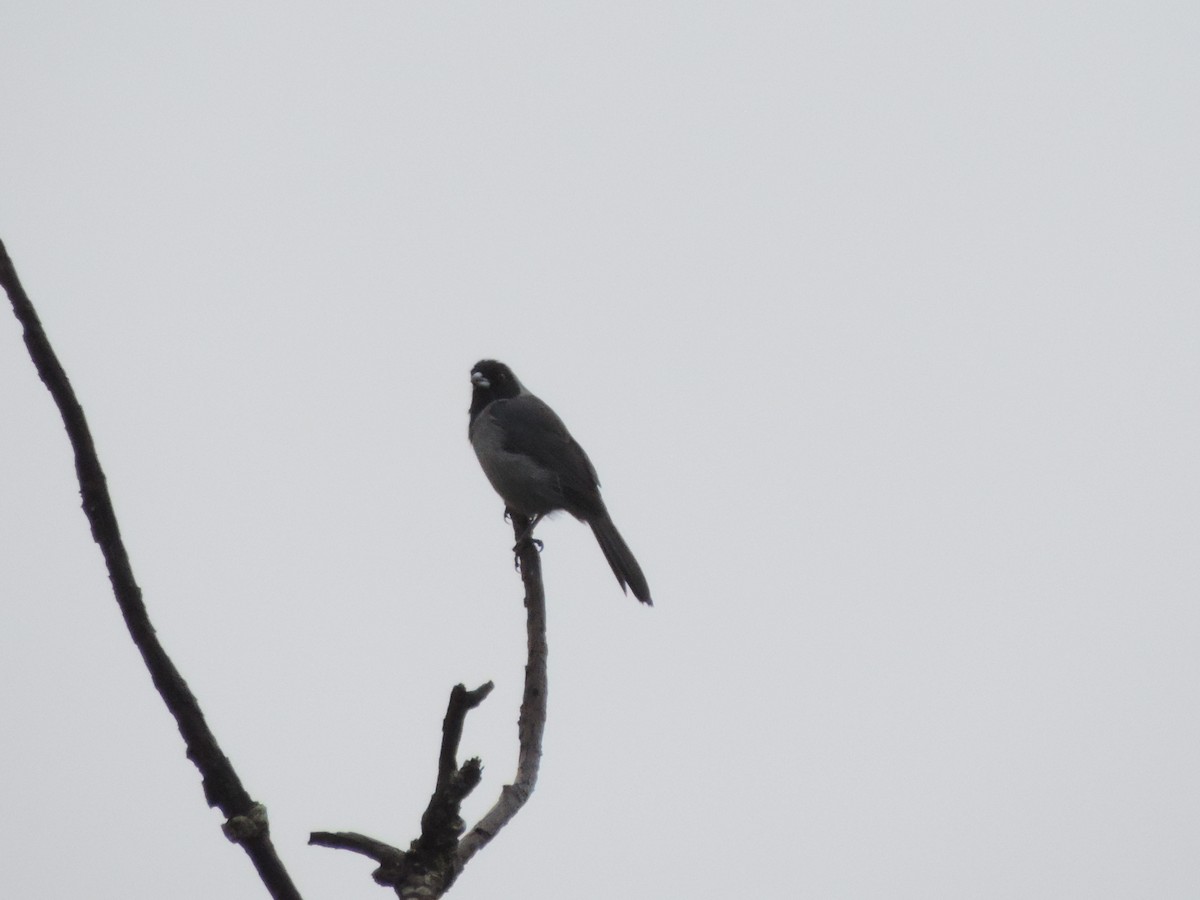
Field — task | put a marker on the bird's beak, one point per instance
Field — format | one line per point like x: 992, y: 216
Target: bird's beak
x: 478, y: 380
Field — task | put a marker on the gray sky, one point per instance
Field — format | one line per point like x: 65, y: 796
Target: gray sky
x: 879, y: 321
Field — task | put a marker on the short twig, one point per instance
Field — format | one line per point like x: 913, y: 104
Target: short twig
x: 462, y: 701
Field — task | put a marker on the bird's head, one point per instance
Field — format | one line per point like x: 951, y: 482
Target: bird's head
x: 492, y: 380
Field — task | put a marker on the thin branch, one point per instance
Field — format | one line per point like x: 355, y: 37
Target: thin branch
x: 462, y: 701
x: 532, y: 721
x: 356, y: 843
x: 392, y: 861
x: 246, y: 820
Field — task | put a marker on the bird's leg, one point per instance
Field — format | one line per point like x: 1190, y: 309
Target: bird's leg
x: 526, y: 535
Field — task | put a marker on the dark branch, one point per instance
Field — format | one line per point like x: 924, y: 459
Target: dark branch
x: 357, y: 843
x: 427, y: 864
x: 391, y: 860
x: 462, y: 701
x: 222, y: 787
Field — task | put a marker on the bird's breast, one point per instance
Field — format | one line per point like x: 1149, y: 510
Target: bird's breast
x: 525, y: 486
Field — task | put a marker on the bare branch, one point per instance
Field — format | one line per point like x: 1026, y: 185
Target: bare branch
x: 246, y: 820
x: 391, y: 860
x: 532, y: 722
x: 462, y: 701
x: 357, y: 843
x: 426, y: 868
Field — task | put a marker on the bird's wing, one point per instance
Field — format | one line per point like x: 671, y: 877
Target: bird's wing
x: 532, y: 428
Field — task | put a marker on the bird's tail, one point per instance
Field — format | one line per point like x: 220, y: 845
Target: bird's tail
x: 620, y: 557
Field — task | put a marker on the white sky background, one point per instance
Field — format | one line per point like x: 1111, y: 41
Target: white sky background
x: 880, y: 322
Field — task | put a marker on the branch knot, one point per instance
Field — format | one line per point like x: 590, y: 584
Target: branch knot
x: 242, y: 828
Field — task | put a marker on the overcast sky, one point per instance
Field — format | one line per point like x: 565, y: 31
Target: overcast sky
x: 881, y: 323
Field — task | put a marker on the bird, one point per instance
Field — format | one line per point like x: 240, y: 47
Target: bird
x: 537, y: 468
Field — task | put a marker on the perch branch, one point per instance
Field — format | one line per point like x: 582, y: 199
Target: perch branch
x: 246, y: 820
x: 532, y: 721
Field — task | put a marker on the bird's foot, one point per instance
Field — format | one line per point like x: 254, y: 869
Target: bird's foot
x: 527, y: 532
x: 520, y: 545
x: 526, y: 535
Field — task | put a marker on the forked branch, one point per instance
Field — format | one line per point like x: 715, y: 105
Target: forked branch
x: 435, y: 859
